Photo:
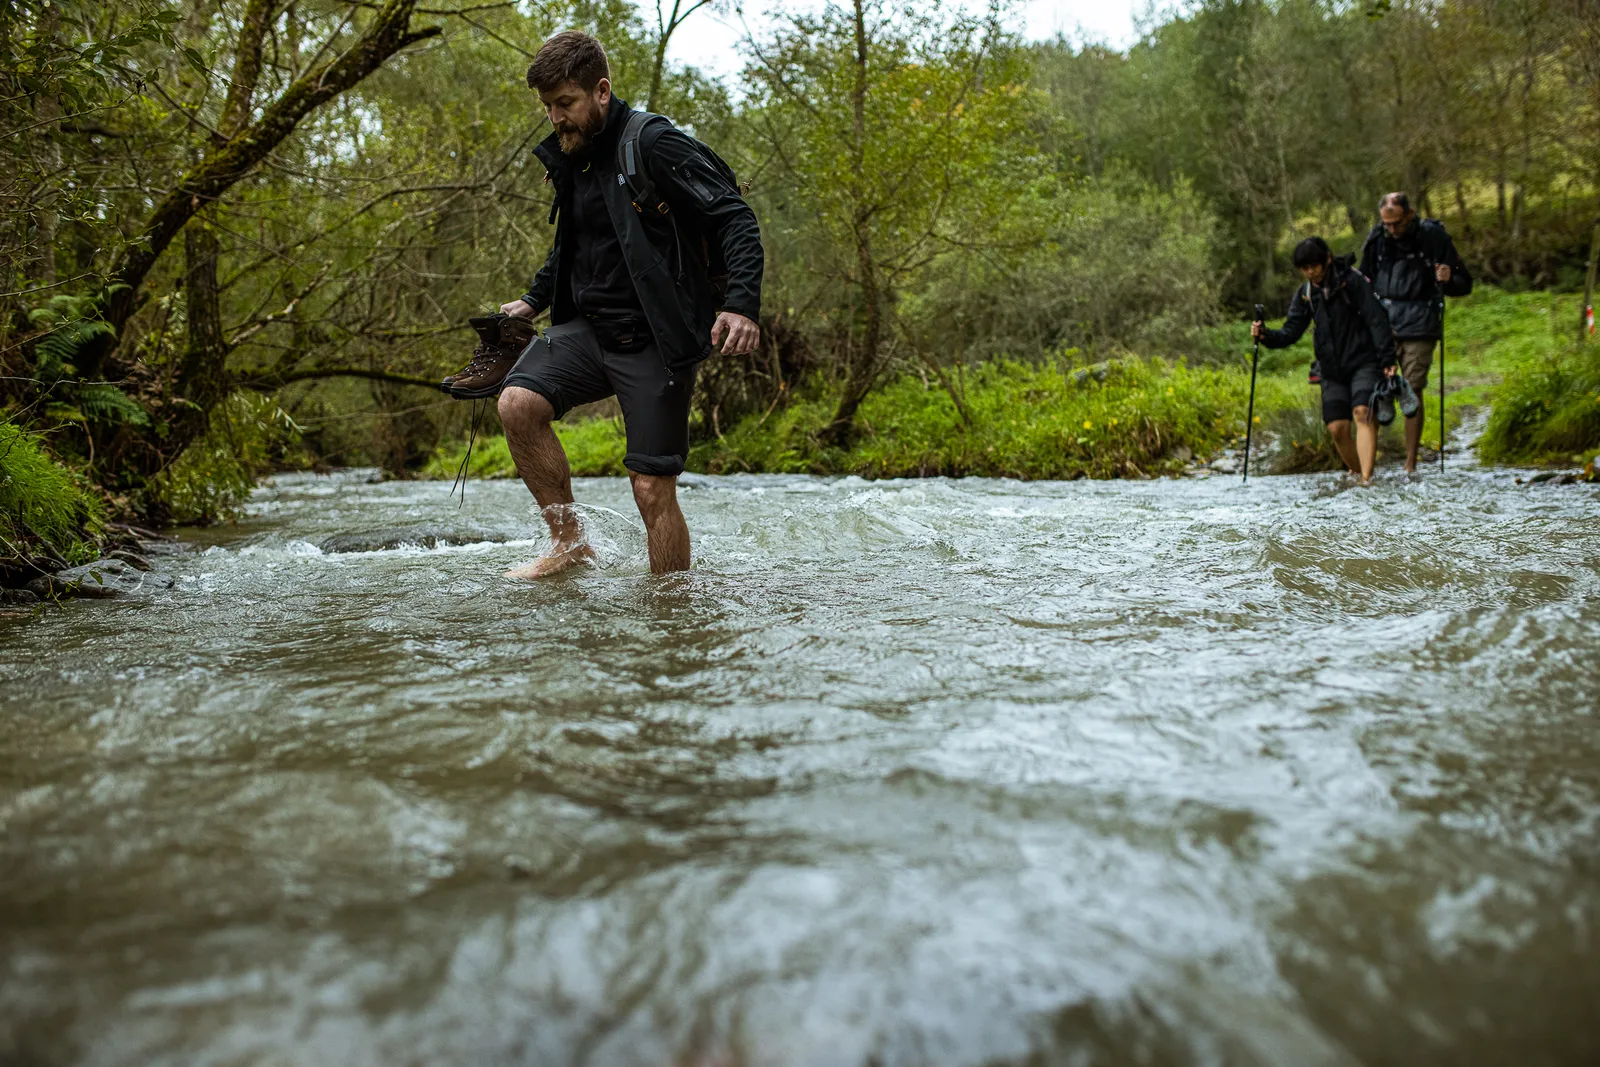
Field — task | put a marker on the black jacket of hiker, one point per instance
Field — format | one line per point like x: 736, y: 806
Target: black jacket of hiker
x: 1351, y: 326
x: 661, y: 252
x: 1402, y: 273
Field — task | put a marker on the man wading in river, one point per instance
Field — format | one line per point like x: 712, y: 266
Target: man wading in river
x: 1352, y: 342
x: 1413, y: 265
x: 656, y: 259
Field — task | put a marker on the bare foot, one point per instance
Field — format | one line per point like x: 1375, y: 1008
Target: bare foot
x: 553, y: 562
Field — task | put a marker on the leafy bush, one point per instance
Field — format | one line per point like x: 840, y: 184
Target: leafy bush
x: 1546, y: 412
x: 42, y: 501
x: 215, y: 474
x: 1124, y: 266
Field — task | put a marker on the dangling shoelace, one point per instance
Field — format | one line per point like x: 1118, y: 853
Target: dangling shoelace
x: 466, y: 460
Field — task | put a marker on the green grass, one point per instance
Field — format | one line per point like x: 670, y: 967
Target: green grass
x: 1124, y: 418
x: 42, y: 502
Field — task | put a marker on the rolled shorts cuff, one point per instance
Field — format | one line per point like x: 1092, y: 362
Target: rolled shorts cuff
x: 659, y: 466
x: 540, y: 386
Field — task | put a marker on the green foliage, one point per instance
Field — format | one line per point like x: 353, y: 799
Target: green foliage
x: 595, y: 449
x: 213, y: 477
x: 1124, y: 418
x: 42, y: 501
x: 1547, y: 411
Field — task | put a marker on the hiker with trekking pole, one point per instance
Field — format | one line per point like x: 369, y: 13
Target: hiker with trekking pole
x: 1351, y: 341
x: 1413, y: 265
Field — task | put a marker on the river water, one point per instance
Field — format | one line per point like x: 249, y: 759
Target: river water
x: 903, y: 773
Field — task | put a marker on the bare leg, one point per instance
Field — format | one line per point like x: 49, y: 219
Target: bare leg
x: 526, y: 417
x: 1366, y: 442
x: 1339, y: 429
x: 1413, y: 437
x: 665, y: 531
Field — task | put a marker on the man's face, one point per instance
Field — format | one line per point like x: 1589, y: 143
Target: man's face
x: 1395, y: 220
x: 1313, y: 273
x: 576, y: 114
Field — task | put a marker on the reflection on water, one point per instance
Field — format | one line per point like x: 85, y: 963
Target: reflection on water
x: 954, y: 772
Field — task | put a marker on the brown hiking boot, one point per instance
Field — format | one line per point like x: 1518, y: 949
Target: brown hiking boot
x: 501, y: 339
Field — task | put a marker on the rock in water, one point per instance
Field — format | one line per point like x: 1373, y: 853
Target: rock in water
x: 98, y: 580
x: 428, y: 535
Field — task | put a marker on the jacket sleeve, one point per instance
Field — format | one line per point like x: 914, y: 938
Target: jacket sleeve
x: 689, y: 183
x: 542, y: 289
x: 1376, y: 318
x: 1294, y: 325
x: 1369, y: 252
x: 1460, y: 283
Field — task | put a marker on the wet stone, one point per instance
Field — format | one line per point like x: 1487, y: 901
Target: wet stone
x: 427, y: 535
x: 99, y: 580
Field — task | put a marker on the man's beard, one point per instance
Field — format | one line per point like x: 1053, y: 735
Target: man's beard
x: 576, y: 137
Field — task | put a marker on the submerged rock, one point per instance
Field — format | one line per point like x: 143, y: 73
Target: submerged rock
x: 98, y: 580
x: 428, y: 535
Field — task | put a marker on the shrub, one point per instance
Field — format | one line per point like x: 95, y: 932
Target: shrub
x: 42, y: 502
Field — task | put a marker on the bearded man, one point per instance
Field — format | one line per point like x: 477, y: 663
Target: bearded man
x: 638, y: 293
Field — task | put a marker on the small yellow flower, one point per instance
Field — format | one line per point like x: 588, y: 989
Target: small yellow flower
x: 1258, y: 418
x: 1087, y: 425
x: 1169, y: 390
x: 1113, y: 422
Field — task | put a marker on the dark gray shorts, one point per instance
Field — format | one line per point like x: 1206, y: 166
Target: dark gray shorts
x: 1339, y: 399
x: 568, y: 367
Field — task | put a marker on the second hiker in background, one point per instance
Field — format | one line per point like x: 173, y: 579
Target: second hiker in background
x: 1413, y: 265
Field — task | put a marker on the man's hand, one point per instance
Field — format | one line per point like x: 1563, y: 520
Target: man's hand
x: 518, y: 307
x: 737, y: 334
x: 1441, y: 271
x: 1256, y: 328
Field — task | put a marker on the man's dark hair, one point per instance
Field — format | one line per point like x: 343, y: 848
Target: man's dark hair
x: 1399, y: 200
x: 1311, y: 251
x: 571, y: 56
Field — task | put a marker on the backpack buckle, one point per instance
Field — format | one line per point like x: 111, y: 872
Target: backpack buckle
x: 662, y: 208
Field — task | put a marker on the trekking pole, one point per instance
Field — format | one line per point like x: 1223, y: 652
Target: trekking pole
x: 1441, y: 376
x: 1250, y: 412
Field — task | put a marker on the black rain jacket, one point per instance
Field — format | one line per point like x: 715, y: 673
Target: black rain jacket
x: 662, y: 251
x: 1351, y: 326
x: 1401, y: 269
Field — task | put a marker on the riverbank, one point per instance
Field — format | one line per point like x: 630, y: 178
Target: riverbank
x: 1133, y: 417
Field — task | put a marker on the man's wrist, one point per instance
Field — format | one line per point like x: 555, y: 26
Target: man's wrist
x: 742, y: 312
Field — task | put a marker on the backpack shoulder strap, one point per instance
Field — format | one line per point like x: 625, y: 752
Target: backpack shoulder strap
x: 631, y: 166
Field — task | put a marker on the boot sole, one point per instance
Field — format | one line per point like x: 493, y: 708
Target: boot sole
x: 477, y: 394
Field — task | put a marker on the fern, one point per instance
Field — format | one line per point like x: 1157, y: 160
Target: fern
x: 103, y: 402
x: 57, y: 355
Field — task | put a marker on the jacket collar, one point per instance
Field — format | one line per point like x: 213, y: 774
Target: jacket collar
x: 554, y: 159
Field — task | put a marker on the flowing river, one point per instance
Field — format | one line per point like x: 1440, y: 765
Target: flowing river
x: 903, y: 773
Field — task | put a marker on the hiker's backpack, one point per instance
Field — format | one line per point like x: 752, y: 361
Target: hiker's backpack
x: 642, y: 188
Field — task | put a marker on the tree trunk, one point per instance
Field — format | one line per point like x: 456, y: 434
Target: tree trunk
x: 862, y: 370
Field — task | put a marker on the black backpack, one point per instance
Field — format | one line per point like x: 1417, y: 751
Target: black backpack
x: 631, y: 167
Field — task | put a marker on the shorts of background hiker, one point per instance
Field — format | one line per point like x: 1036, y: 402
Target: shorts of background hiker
x: 1416, y: 357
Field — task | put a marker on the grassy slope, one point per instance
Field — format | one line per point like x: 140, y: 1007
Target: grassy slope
x: 1124, y: 418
